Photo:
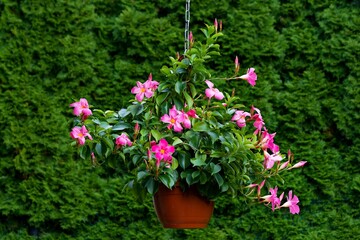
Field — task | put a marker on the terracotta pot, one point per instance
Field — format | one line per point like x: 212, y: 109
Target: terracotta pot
x: 178, y: 209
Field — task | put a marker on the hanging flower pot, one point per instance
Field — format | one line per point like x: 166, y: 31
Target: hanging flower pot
x: 178, y: 209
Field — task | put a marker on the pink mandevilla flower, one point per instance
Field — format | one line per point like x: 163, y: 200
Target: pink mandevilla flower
x: 267, y: 142
x: 81, y: 108
x: 292, y: 203
x: 271, y: 159
x: 123, y: 140
x: 250, y: 76
x: 184, y: 119
x: 258, y: 123
x: 163, y: 151
x: 153, y: 85
x: 272, y: 198
x: 173, y: 119
x: 213, y: 92
x: 192, y: 113
x: 142, y: 90
x: 239, y: 117
x: 80, y: 133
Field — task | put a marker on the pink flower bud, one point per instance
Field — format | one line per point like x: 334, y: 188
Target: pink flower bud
x: 216, y: 25
x: 191, y: 38
x: 298, y: 165
x: 284, y: 165
x: 136, y: 128
x: 237, y: 65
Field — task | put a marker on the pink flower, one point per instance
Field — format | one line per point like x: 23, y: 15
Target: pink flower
x: 267, y: 142
x: 163, y: 151
x: 184, y: 119
x: 216, y: 25
x: 298, y: 165
x: 123, y: 140
x: 250, y: 76
x: 213, y: 92
x: 81, y: 108
x: 272, y: 198
x: 173, y: 119
x: 292, y: 203
x: 239, y: 117
x: 152, y: 85
x: 271, y: 159
x: 192, y: 113
x: 80, y: 133
x: 258, y: 123
x: 142, y: 90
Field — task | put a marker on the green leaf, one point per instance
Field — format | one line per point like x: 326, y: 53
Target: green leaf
x: 98, y: 149
x: 123, y: 113
x: 121, y: 126
x: 180, y: 70
x: 214, y: 136
x: 161, y: 97
x: 135, y: 109
x: 85, y: 152
x: 150, y: 186
x: 180, y: 86
x: 176, y: 141
x: 201, y: 127
x: 219, y: 179
x: 215, y: 168
x: 193, y: 90
x: 142, y: 174
x: 166, y: 180
x: 165, y: 70
x: 195, y: 174
x: 184, y: 160
x: 189, y: 100
x: 199, y: 161
x: 156, y: 134
x: 203, y: 178
x: 193, y: 139
x: 217, y: 154
x: 105, y: 125
x: 174, y: 164
x: 109, y: 142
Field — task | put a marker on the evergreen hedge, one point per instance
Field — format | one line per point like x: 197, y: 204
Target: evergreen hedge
x: 54, y: 52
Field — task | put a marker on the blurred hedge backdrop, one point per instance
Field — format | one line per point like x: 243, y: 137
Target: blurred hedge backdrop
x: 306, y: 54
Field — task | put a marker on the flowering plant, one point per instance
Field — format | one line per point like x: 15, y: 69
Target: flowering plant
x: 184, y: 129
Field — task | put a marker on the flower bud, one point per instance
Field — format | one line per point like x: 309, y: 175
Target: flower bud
x: 298, y: 165
x: 237, y: 65
x: 216, y: 25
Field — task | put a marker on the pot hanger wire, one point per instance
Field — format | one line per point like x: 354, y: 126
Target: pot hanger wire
x: 187, y: 26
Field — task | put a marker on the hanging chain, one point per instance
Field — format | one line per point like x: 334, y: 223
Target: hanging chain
x: 187, y: 26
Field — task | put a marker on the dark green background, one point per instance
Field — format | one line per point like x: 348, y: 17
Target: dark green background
x: 306, y: 54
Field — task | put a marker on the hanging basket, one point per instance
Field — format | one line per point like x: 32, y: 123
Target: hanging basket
x: 178, y: 209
